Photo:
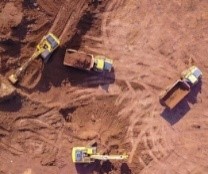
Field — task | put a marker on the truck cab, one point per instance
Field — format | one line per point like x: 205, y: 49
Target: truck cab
x: 102, y: 63
x: 192, y: 75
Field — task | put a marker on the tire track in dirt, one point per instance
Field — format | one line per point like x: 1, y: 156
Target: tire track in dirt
x: 67, y: 18
x: 60, y: 20
x: 143, y: 126
x: 111, y: 10
x: 32, y: 134
x: 39, y: 134
x: 73, y: 19
x: 147, y: 145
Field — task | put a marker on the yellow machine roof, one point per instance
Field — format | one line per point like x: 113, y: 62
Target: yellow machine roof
x: 100, y: 64
x: 87, y: 150
x: 192, y: 79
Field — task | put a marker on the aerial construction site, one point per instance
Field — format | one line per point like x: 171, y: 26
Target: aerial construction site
x: 103, y: 87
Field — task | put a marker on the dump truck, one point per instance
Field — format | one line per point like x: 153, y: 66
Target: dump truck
x: 45, y: 48
x: 181, y: 88
x: 89, y: 155
x: 89, y: 62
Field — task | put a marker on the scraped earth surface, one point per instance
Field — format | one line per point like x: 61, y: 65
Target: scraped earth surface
x: 58, y: 107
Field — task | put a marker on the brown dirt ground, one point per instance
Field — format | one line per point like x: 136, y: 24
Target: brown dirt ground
x: 151, y: 43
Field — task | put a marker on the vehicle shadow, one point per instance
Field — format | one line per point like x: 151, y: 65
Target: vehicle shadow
x: 100, y: 167
x: 125, y: 169
x: 11, y: 105
x: 177, y: 113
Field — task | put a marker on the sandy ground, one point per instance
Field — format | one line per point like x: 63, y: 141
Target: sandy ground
x: 151, y: 43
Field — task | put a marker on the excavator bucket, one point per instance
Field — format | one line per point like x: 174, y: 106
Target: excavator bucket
x: 6, y: 89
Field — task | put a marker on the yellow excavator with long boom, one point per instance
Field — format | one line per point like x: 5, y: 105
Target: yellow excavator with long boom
x: 45, y: 48
x: 89, y: 155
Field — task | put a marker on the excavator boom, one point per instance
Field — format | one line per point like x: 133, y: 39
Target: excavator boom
x: 109, y: 157
x: 14, y: 77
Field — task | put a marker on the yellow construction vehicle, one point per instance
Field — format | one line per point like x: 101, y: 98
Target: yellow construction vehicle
x: 89, y: 62
x: 45, y: 48
x: 192, y: 75
x: 89, y: 155
x: 181, y: 88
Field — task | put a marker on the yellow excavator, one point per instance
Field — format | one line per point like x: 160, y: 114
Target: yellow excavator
x: 89, y: 155
x: 45, y: 48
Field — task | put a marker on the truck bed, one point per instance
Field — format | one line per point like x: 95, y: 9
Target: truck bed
x: 175, y: 94
x: 78, y: 60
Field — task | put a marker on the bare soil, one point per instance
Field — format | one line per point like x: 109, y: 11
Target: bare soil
x: 58, y: 107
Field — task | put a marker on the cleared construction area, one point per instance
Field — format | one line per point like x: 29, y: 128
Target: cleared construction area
x: 54, y: 108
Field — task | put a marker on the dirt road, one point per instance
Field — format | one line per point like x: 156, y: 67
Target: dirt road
x: 59, y: 107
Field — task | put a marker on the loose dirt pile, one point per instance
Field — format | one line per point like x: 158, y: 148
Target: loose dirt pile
x: 10, y: 17
x: 59, y: 107
x: 6, y: 89
x: 78, y: 60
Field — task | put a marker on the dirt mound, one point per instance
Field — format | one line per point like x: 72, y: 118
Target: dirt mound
x: 10, y: 17
x: 7, y: 91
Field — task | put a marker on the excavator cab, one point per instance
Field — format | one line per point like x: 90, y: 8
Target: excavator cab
x: 47, y: 45
x: 82, y: 154
x: 102, y: 64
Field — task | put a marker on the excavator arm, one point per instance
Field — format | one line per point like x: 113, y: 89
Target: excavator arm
x: 109, y: 157
x: 15, y: 76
